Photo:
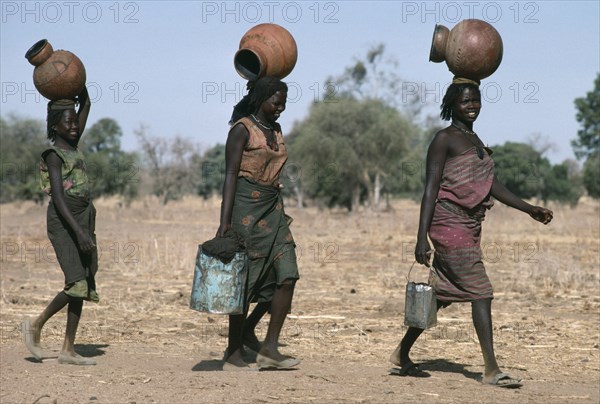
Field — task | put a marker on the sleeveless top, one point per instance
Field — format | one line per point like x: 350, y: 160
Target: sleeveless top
x: 75, y: 180
x: 259, y: 162
x: 467, y: 180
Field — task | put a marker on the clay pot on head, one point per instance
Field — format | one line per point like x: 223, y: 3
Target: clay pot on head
x: 266, y: 50
x: 57, y: 74
x: 472, y: 49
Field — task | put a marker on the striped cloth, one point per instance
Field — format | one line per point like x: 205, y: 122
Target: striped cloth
x: 458, y: 272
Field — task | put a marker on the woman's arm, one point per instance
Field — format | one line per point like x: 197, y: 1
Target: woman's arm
x: 84, y: 108
x: 236, y: 141
x: 436, y: 158
x: 54, y: 164
x: 502, y: 194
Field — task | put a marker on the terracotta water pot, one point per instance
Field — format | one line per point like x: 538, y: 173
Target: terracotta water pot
x: 266, y: 50
x: 472, y: 49
x: 57, y: 74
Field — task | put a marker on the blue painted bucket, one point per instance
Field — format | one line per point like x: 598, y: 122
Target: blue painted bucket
x: 219, y: 288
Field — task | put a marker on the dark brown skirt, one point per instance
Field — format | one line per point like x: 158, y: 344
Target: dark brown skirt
x: 76, y: 265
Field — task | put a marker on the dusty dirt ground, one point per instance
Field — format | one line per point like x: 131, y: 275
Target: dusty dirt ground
x: 346, y: 317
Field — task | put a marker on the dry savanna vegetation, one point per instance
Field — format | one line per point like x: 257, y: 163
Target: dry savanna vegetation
x: 346, y: 319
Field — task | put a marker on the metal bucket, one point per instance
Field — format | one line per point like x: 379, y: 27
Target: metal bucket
x: 420, y: 309
x: 420, y: 306
x: 219, y: 288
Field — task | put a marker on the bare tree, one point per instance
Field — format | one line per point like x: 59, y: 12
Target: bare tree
x: 170, y: 163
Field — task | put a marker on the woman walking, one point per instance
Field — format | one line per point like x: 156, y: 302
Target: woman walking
x: 460, y: 184
x: 252, y: 207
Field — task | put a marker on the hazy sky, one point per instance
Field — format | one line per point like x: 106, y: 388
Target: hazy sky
x: 169, y: 65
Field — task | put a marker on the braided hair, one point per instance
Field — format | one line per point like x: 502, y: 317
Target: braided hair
x: 454, y: 91
x: 258, y: 92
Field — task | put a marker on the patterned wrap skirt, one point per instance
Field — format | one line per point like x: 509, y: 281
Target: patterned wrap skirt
x: 259, y: 218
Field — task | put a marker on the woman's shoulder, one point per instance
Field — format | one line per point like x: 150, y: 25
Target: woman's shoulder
x: 244, y: 121
x: 240, y: 130
x: 65, y: 155
x: 445, y: 132
x: 55, y: 150
x: 443, y: 136
x: 242, y: 126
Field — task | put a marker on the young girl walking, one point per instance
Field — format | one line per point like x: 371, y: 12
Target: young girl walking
x: 71, y: 224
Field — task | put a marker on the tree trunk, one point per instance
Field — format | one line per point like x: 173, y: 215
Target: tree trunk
x: 355, y: 198
x: 369, y: 186
x: 377, y: 190
x: 299, y: 195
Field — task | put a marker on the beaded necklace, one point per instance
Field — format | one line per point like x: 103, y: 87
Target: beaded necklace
x: 272, y: 143
x: 469, y: 136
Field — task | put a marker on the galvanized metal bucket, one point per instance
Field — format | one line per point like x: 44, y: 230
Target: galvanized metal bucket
x: 420, y: 307
x: 219, y: 288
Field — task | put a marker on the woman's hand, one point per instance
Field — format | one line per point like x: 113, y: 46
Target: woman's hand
x: 85, y: 242
x: 423, y: 252
x: 223, y: 229
x: 540, y: 214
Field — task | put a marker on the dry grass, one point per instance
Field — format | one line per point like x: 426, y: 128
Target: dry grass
x: 349, y: 300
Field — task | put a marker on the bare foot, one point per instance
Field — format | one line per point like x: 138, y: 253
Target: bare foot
x: 31, y: 337
x: 395, y: 356
x: 272, y: 359
x: 502, y: 380
x: 67, y: 358
x: 234, y: 360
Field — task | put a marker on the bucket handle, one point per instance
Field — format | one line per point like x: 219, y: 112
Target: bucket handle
x: 411, y: 268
